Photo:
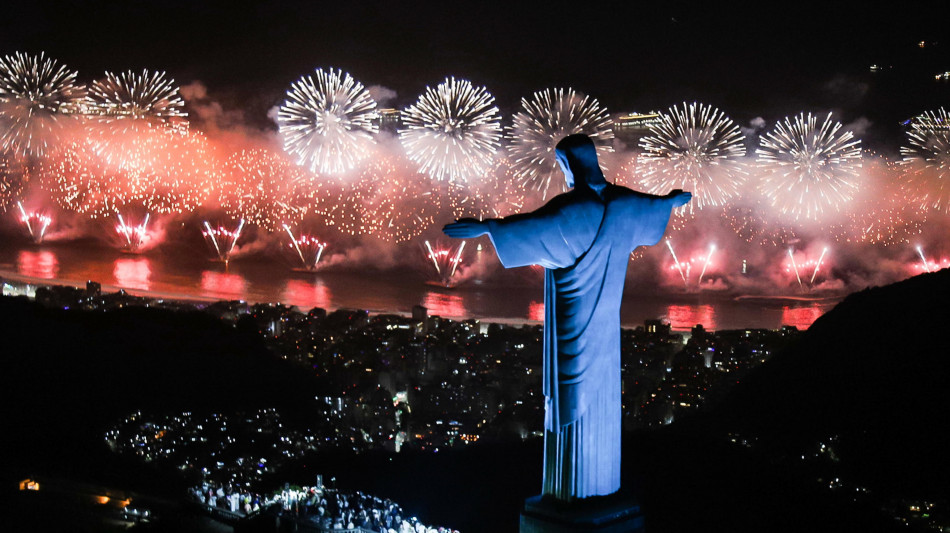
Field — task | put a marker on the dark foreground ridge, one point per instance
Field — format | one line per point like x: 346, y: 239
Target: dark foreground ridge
x: 872, y: 373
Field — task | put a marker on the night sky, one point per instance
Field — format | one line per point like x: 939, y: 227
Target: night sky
x: 765, y: 60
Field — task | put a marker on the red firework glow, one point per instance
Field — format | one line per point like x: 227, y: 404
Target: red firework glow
x: 308, y: 248
x: 43, y: 265
x: 264, y: 189
x: 445, y: 305
x: 445, y: 260
x: 306, y: 295
x: 684, y: 317
x: 35, y: 222
x: 134, y: 237
x: 800, y: 317
x: 536, y: 311
x: 132, y: 273
x: 805, y: 268
x: 221, y: 285
x: 928, y: 265
x: 696, y: 267
x: 222, y: 239
x: 160, y: 171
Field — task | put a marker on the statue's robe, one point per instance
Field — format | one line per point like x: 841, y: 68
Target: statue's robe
x: 583, y: 239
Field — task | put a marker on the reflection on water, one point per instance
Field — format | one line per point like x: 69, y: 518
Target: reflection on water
x: 223, y: 285
x: 132, y: 273
x: 536, y: 311
x: 445, y: 304
x: 37, y: 264
x: 683, y: 317
x: 259, y: 281
x: 307, y: 295
x: 800, y: 317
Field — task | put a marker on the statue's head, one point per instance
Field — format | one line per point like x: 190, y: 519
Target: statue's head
x: 577, y: 157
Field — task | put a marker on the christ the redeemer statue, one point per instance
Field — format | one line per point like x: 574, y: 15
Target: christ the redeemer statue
x: 583, y: 238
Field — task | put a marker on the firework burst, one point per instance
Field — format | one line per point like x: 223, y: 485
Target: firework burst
x: 883, y: 212
x: 148, y: 96
x: 699, y: 263
x: 396, y: 202
x: 164, y: 172
x: 35, y: 222
x: 452, y: 131
x: 751, y: 224
x: 262, y: 188
x: 697, y: 148
x: 803, y: 265
x: 497, y: 195
x: 809, y: 168
x: 445, y: 260
x: 12, y: 180
x: 134, y: 236
x: 38, y: 99
x: 308, y: 248
x: 328, y: 121
x: 549, y: 116
x: 222, y: 239
x: 927, y: 160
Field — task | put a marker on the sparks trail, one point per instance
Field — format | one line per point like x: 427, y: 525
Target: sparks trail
x: 309, y: 249
x: 222, y: 239
x: 685, y: 268
x: 923, y: 260
x: 35, y: 223
x: 445, y: 261
x: 676, y: 262
x: 797, y: 266
x: 712, y: 248
x: 817, y: 265
x: 797, y: 276
x: 133, y: 237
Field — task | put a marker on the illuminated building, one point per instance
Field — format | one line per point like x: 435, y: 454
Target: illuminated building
x: 631, y: 126
x: 388, y: 119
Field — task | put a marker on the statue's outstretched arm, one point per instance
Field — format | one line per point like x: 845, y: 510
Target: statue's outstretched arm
x: 466, y: 228
x: 679, y: 197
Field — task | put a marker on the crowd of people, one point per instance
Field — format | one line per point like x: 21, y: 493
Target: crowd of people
x: 326, y: 509
x: 228, y: 498
x: 344, y: 510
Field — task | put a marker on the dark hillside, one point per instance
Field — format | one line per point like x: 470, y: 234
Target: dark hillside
x: 874, y: 371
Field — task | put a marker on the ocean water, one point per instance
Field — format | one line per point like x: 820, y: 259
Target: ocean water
x: 191, y: 275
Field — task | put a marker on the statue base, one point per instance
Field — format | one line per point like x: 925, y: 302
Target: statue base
x: 604, y: 514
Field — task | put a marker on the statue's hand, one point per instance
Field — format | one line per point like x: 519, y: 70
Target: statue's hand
x: 679, y: 197
x: 466, y: 228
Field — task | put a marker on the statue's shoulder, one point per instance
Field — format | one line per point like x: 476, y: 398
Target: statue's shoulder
x: 627, y: 195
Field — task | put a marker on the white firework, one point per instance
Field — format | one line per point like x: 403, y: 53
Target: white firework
x: 328, y: 121
x: 548, y: 117
x: 452, y: 131
x: 147, y: 96
x: 809, y: 168
x: 926, y: 161
x: 696, y: 148
x: 38, y: 99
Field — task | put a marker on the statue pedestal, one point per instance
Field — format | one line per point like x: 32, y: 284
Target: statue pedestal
x: 615, y: 513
